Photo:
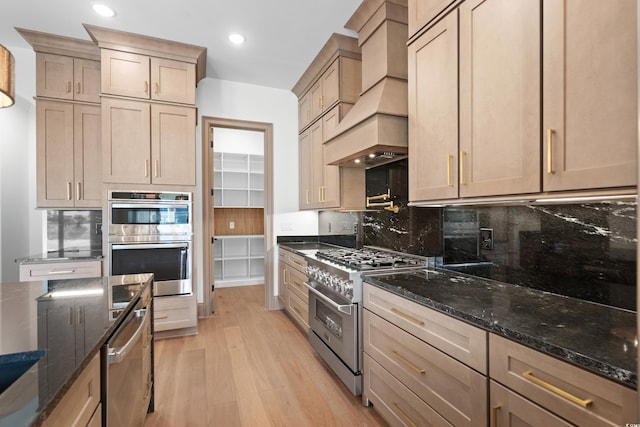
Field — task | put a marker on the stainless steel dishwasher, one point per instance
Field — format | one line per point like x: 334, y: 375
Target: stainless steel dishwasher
x: 124, y: 384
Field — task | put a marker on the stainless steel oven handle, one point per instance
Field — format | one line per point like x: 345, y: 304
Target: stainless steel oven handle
x: 343, y: 308
x: 158, y: 245
x: 117, y: 355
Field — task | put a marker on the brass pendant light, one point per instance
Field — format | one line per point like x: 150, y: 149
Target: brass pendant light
x: 7, y: 82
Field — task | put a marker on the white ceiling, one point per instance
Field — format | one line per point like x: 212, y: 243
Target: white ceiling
x: 283, y: 36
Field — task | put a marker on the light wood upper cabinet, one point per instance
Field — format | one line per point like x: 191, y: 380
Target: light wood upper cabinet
x: 140, y: 76
x: 499, y: 97
x: 590, y: 94
x: 433, y: 112
x: 68, y: 154
x: 65, y: 77
x: 304, y: 111
x: 148, y: 143
x: 421, y: 12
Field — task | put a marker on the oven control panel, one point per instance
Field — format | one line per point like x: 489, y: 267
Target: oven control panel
x: 332, y: 281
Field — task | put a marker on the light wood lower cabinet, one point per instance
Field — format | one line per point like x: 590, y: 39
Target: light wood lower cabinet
x: 406, y: 360
x: 450, y: 388
x: 292, y: 292
x: 60, y: 270
x: 175, y: 315
x: 80, y: 405
x: 572, y: 393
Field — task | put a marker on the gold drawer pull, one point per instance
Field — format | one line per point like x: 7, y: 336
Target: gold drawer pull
x: 407, y: 317
x: 408, y: 363
x: 161, y: 316
x: 404, y: 415
x: 582, y: 402
x: 494, y: 415
x: 550, y: 133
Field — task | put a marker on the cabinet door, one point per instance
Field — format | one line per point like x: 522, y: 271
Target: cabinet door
x: 126, y: 141
x: 173, y: 136
x: 86, y: 74
x: 499, y: 97
x: 54, y: 76
x: 317, y: 181
x: 283, y: 272
x: 305, y: 170
x: 125, y: 74
x: 433, y: 112
x: 315, y: 94
x: 54, y: 153
x: 304, y: 111
x: 173, y: 81
x: 87, y: 155
x: 590, y: 94
x: 421, y: 12
x: 330, y: 85
x: 331, y: 190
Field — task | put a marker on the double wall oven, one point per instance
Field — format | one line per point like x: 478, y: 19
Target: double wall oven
x: 335, y: 304
x: 152, y: 232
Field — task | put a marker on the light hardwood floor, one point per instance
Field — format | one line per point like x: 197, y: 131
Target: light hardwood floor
x: 249, y: 367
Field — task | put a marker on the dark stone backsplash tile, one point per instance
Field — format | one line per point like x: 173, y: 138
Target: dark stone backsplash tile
x: 586, y: 251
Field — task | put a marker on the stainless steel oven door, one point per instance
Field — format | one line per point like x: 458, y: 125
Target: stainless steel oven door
x: 140, y: 221
x: 336, y: 324
x: 169, y: 262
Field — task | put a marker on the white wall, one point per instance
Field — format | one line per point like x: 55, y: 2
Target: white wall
x: 230, y: 100
x: 20, y: 223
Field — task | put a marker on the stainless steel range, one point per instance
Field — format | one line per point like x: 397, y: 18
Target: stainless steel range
x: 335, y: 304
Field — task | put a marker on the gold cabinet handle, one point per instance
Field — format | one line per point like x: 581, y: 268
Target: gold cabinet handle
x: 146, y: 86
x: 407, y: 317
x: 307, y: 195
x: 463, y: 154
x: 494, y: 415
x: 157, y: 88
x: 550, y: 133
x: 69, y: 191
x: 449, y: 180
x: 582, y: 402
x: 78, y: 88
x: 160, y: 316
x: 146, y: 168
x: 407, y: 362
x: 320, y: 102
x: 404, y: 415
x: 68, y: 86
x: 78, y: 191
x: 156, y: 170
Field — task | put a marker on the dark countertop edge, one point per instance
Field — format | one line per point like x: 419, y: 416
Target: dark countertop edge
x: 76, y: 256
x: 619, y: 375
x: 62, y: 391
x: 296, y: 247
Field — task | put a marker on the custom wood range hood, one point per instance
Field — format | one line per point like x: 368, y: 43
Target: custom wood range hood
x: 374, y: 131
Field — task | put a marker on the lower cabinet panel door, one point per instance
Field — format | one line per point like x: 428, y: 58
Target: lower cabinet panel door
x: 395, y: 402
x: 511, y: 409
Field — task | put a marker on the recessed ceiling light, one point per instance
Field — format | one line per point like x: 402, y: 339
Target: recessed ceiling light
x: 103, y: 10
x: 236, y: 38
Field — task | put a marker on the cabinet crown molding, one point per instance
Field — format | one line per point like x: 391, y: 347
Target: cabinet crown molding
x: 60, y: 45
x: 135, y: 43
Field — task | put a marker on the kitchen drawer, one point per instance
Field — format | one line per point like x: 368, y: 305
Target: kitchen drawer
x: 79, y: 403
x: 541, y: 378
x: 174, y: 313
x: 454, y: 390
x: 60, y: 270
x: 395, y: 402
x: 421, y: 12
x: 299, y: 310
x: 293, y: 259
x: 458, y: 339
x: 297, y: 286
x: 511, y: 409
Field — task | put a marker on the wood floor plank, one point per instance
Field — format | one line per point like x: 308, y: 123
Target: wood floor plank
x: 249, y: 367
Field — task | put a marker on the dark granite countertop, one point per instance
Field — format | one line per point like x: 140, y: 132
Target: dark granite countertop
x: 62, y: 256
x: 35, y: 319
x: 595, y: 337
x: 305, y: 248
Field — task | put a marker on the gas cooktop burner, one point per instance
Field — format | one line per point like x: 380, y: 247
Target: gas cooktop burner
x: 369, y: 259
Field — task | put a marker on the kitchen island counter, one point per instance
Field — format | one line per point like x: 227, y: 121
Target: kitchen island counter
x: 592, y: 336
x: 35, y: 318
